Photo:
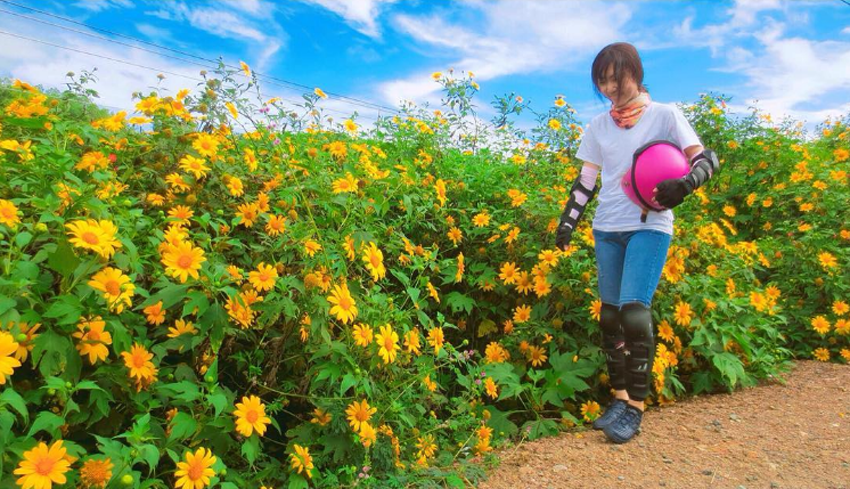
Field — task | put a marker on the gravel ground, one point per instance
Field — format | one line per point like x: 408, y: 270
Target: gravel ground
x: 770, y: 436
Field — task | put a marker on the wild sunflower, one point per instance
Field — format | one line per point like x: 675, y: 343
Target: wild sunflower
x: 251, y: 416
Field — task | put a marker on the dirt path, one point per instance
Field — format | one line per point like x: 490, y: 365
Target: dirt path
x: 771, y: 436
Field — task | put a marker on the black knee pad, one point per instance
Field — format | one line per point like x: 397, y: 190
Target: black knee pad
x: 636, y: 319
x: 613, y: 343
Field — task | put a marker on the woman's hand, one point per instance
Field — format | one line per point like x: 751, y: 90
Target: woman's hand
x: 671, y: 192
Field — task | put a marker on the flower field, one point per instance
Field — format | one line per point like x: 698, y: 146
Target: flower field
x: 221, y: 290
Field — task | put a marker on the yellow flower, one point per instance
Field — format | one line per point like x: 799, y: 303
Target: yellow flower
x: 522, y: 314
x: 97, y: 236
x: 196, y: 471
x: 318, y: 91
x: 138, y: 360
x: 821, y: 354
x: 517, y: 198
x: 432, y: 292
x: 554, y: 124
x: 429, y: 384
x: 8, y: 364
x: 840, y: 308
x: 455, y: 235
x: 729, y: 210
x: 311, y: 247
x: 96, y: 473
x: 460, y: 268
x: 665, y: 331
x: 232, y: 109
x: 508, y: 273
x: 234, y: 185
x: 536, y: 355
x: 181, y: 327
x: 683, y: 314
x: 481, y: 219
x: 512, y: 235
x: 411, y: 341
x: 195, y: 166
x: 344, y: 307
x: 91, y: 161
x: 181, y: 214
x: 92, y: 339
x: 251, y: 416
x: 276, y: 225
x: 559, y: 102
x: 8, y: 213
x: 821, y: 325
x: 436, y: 75
x: 388, y: 341
x: 841, y: 154
x: 183, y: 260
x: 549, y: 257
x: 590, y: 410
x: 41, y: 466
x: 245, y: 68
x: 320, y: 417
x: 490, y: 388
x: 263, y: 278
x: 155, y: 314
x: 359, y: 413
x: 115, y: 286
x: 301, y: 460
x: 350, y: 125
x: 374, y: 259
x: 206, y: 145
x: 26, y: 345
x: 345, y: 185
x: 596, y: 309
x: 362, y: 334
x: 436, y: 339
x: 827, y: 260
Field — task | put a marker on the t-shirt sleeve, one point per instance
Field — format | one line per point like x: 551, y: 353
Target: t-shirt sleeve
x: 682, y: 132
x: 589, y: 150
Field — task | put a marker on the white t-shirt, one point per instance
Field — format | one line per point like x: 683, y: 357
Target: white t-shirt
x: 606, y: 145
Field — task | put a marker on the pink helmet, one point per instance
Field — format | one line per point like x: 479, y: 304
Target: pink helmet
x: 653, y: 163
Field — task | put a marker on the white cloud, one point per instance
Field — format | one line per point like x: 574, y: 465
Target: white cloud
x: 542, y: 36
x: 846, y: 30
x: 785, y: 76
x: 362, y: 15
x: 101, y: 5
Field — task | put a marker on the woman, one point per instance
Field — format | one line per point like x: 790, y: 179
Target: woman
x: 630, y: 243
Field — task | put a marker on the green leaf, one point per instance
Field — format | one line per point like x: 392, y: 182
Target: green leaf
x: 150, y: 454
x: 6, y: 303
x: 63, y: 259
x: 23, y: 238
x: 12, y: 398
x: 46, y: 421
x: 218, y: 400
x: 297, y: 482
x: 182, y: 426
x: 486, y: 327
x: 459, y: 302
x: 251, y: 448
x: 348, y: 381
x: 455, y: 481
x: 66, y: 308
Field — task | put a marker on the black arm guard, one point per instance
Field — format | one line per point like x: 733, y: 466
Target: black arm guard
x: 566, y: 219
x: 704, y: 165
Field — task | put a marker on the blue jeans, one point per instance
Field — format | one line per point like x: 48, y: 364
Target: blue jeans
x: 629, y: 264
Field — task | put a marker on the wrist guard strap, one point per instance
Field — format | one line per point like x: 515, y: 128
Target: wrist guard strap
x: 573, y: 210
x: 703, y: 166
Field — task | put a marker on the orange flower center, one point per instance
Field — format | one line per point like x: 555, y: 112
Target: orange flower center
x: 44, y: 466
x: 376, y: 261
x: 185, y: 261
x: 344, y: 303
x: 7, y: 212
x: 113, y: 287
x: 94, y: 336
x: 196, y: 470
x: 263, y: 277
x: 90, y: 238
x: 252, y: 416
x: 138, y: 360
x: 388, y: 344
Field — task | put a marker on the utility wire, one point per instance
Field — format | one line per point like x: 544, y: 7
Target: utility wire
x: 130, y: 63
x: 352, y: 100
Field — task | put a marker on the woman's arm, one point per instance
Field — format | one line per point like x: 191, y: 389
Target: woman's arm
x: 583, y: 189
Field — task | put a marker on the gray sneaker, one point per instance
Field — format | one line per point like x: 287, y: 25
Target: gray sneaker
x: 612, y: 412
x: 626, y: 426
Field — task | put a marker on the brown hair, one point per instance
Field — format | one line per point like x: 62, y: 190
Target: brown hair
x: 626, y: 61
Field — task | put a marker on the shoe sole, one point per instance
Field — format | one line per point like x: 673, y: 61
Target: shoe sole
x: 619, y: 440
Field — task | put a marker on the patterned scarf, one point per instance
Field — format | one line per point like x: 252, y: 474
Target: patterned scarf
x: 627, y: 116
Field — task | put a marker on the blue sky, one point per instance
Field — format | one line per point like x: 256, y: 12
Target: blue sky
x: 793, y: 57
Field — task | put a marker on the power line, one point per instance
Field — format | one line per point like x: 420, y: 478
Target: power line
x: 352, y: 100
x: 130, y: 63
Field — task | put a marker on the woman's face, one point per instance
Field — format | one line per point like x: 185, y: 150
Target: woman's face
x: 618, y: 95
